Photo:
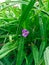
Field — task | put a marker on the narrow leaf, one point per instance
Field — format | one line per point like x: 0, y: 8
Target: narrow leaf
x: 8, y: 47
x: 20, y: 55
x: 35, y: 54
x: 29, y: 59
x: 43, y: 35
x: 46, y: 56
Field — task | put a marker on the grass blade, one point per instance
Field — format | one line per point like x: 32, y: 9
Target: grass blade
x: 43, y: 35
x: 8, y: 47
x: 35, y: 54
x: 20, y: 55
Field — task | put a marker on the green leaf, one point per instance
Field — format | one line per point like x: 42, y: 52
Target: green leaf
x: 8, y: 47
x: 27, y: 10
x: 11, y: 3
x: 41, y: 3
x: 1, y: 63
x: 35, y: 54
x: 20, y: 55
x: 48, y: 4
x: 24, y: 16
x: 43, y: 35
x: 6, y: 61
x: 46, y: 56
x: 29, y: 59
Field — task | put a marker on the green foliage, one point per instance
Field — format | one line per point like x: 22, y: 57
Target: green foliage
x: 20, y: 55
x: 32, y: 15
x: 35, y: 54
x: 8, y: 47
x: 46, y: 56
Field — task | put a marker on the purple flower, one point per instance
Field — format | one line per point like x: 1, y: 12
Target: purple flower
x: 25, y: 33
